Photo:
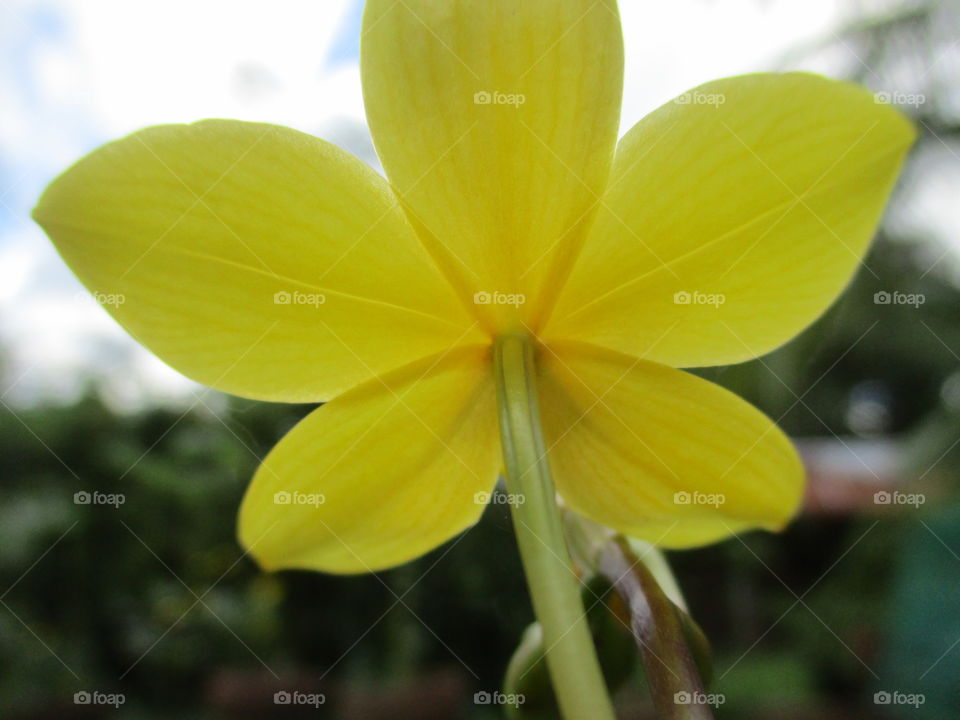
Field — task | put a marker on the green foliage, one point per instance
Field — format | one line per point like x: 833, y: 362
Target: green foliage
x: 116, y: 596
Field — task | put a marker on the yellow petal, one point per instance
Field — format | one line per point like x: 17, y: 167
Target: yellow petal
x: 252, y: 258
x: 734, y: 217
x: 660, y: 454
x: 496, y: 123
x: 382, y: 474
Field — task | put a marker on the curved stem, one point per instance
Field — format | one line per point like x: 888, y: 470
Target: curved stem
x: 554, y: 588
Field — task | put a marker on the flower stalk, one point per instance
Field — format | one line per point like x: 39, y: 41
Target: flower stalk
x: 553, y: 584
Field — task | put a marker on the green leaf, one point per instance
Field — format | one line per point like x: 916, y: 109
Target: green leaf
x: 626, y: 609
x: 673, y: 648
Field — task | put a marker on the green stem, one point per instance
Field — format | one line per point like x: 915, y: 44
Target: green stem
x: 554, y: 587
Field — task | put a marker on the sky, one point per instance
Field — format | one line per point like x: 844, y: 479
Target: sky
x: 74, y: 75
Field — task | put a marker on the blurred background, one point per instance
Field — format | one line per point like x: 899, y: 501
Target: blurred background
x: 151, y: 599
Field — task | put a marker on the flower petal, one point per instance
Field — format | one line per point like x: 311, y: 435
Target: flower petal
x: 496, y: 123
x: 660, y: 454
x: 398, y: 462
x: 252, y: 258
x: 753, y: 201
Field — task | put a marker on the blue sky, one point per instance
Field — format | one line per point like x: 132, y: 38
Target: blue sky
x: 74, y: 75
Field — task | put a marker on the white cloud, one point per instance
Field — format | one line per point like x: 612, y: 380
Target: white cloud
x: 113, y: 67
x: 116, y: 66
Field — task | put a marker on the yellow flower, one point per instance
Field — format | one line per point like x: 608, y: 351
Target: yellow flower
x: 269, y: 264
